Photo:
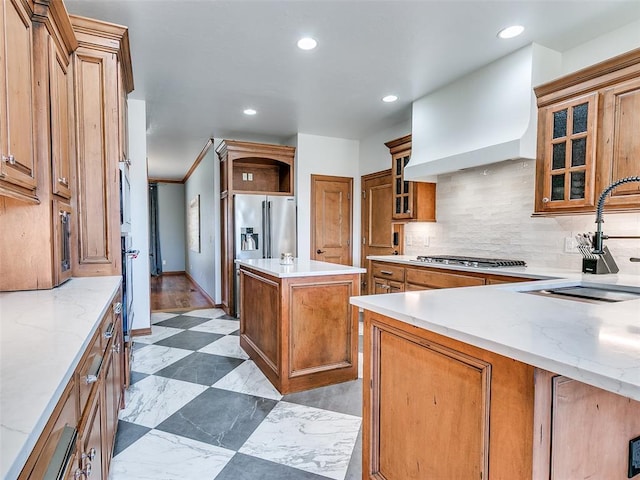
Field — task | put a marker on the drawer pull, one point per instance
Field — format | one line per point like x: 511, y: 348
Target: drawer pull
x: 86, y: 472
x: 60, y: 461
x: 117, y: 308
x: 386, y: 272
x: 109, y: 332
x: 94, y: 371
x: 116, y: 348
x: 91, y: 455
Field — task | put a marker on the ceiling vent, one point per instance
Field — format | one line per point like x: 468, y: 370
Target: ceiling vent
x: 485, y: 117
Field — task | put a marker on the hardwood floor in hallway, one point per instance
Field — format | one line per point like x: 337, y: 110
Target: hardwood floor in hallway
x: 171, y: 292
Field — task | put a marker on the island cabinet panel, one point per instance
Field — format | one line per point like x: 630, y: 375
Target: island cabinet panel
x: 300, y: 331
x: 570, y: 447
x: 320, y: 328
x: 262, y: 333
x: 437, y: 408
x: 434, y: 279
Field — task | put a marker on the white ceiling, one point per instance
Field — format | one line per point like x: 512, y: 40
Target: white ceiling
x: 199, y: 63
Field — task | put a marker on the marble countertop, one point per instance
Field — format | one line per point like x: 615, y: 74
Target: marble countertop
x: 598, y: 344
x: 299, y: 268
x: 42, y: 336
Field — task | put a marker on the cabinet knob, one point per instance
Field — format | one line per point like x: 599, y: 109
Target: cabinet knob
x: 408, y: 211
x: 116, y: 348
x: 545, y: 200
x: 10, y: 159
x: 84, y: 472
x: 63, y: 180
x: 91, y: 455
x: 117, y: 308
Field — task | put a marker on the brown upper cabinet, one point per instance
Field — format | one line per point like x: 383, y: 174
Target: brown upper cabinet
x: 102, y: 77
x: 247, y: 167
x: 587, y: 137
x: 17, y: 103
x: 411, y: 200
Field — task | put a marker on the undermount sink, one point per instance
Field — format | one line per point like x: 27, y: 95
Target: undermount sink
x: 589, y: 294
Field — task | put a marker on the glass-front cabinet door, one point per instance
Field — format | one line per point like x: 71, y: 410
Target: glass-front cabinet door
x: 569, y: 154
x: 402, y: 192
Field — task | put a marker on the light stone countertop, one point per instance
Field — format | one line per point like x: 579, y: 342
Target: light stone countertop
x: 598, y: 344
x: 43, y: 334
x: 299, y: 268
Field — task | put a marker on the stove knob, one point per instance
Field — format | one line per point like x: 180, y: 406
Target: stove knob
x: 474, y: 264
x: 445, y: 261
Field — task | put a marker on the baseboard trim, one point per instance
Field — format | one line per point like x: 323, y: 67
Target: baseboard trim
x: 172, y: 273
x: 200, y: 289
x: 140, y: 332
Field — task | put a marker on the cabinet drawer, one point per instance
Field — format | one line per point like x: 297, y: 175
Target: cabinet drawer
x: 89, y: 369
x: 391, y: 272
x: 434, y: 279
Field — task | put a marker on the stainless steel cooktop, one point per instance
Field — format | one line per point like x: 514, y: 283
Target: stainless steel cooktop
x: 479, y: 262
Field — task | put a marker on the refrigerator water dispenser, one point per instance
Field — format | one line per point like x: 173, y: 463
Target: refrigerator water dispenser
x: 248, y: 239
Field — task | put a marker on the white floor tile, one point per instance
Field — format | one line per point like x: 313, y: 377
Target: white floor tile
x: 206, y: 313
x: 247, y: 378
x: 228, y: 346
x: 158, y: 333
x: 160, y: 455
x: 223, y: 327
x: 152, y: 358
x: 160, y: 316
x: 307, y: 438
x: 153, y: 399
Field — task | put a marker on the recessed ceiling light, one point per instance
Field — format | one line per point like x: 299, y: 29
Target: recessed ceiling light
x: 307, y: 43
x: 249, y: 111
x: 510, y: 32
x: 389, y: 98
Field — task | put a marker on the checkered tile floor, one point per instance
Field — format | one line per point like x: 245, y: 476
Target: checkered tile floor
x: 198, y: 408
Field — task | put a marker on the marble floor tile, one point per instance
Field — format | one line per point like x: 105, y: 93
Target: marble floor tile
x: 157, y: 333
x: 228, y: 346
x: 248, y: 378
x: 202, y: 368
x: 354, y: 472
x: 345, y: 397
x: 244, y: 467
x: 127, y: 434
x: 160, y: 316
x: 182, y: 321
x: 154, y: 358
x: 217, y: 325
x: 218, y: 417
x: 205, y: 313
x: 164, y: 456
x: 189, y: 340
x: 154, y: 399
x: 310, y: 439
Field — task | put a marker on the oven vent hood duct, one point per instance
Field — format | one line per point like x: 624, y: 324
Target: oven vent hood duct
x: 485, y: 117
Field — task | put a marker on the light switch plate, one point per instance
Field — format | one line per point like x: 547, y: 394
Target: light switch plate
x: 634, y: 457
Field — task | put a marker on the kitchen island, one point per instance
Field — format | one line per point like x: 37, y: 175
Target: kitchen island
x: 296, y: 322
x: 460, y: 379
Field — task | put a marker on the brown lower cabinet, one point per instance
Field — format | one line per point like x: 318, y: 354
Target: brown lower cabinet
x: 77, y: 441
x: 439, y: 408
x: 302, y: 332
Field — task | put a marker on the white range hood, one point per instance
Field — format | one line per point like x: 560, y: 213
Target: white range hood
x: 485, y: 117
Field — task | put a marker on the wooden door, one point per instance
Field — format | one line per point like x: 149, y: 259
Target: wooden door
x: 379, y: 235
x: 331, y: 219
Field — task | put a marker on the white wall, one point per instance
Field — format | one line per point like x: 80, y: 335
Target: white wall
x: 325, y: 156
x: 203, y: 266
x: 139, y: 213
x: 172, y: 220
x: 374, y: 155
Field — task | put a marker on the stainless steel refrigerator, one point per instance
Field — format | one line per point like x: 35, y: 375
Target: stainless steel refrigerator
x: 264, y: 227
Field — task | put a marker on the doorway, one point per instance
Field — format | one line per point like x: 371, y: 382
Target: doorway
x: 331, y: 219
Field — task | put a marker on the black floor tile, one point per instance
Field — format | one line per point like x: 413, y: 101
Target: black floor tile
x: 245, y: 467
x: 137, y: 376
x: 343, y: 397
x: 236, y: 333
x: 219, y: 417
x: 202, y: 368
x: 189, y: 340
x: 227, y: 317
x: 182, y: 321
x: 127, y: 434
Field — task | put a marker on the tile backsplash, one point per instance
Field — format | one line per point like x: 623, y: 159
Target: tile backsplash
x: 486, y: 211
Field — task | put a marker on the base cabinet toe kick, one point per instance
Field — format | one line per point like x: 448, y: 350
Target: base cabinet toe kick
x: 435, y: 407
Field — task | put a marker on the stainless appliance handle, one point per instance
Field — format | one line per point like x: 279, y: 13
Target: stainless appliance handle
x: 268, y: 232
x: 265, y: 240
x: 60, y: 460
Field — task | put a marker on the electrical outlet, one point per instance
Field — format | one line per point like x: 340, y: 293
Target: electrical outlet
x: 425, y: 241
x: 634, y: 457
x: 570, y: 245
x: 244, y: 176
x: 164, y: 262
x: 250, y: 175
